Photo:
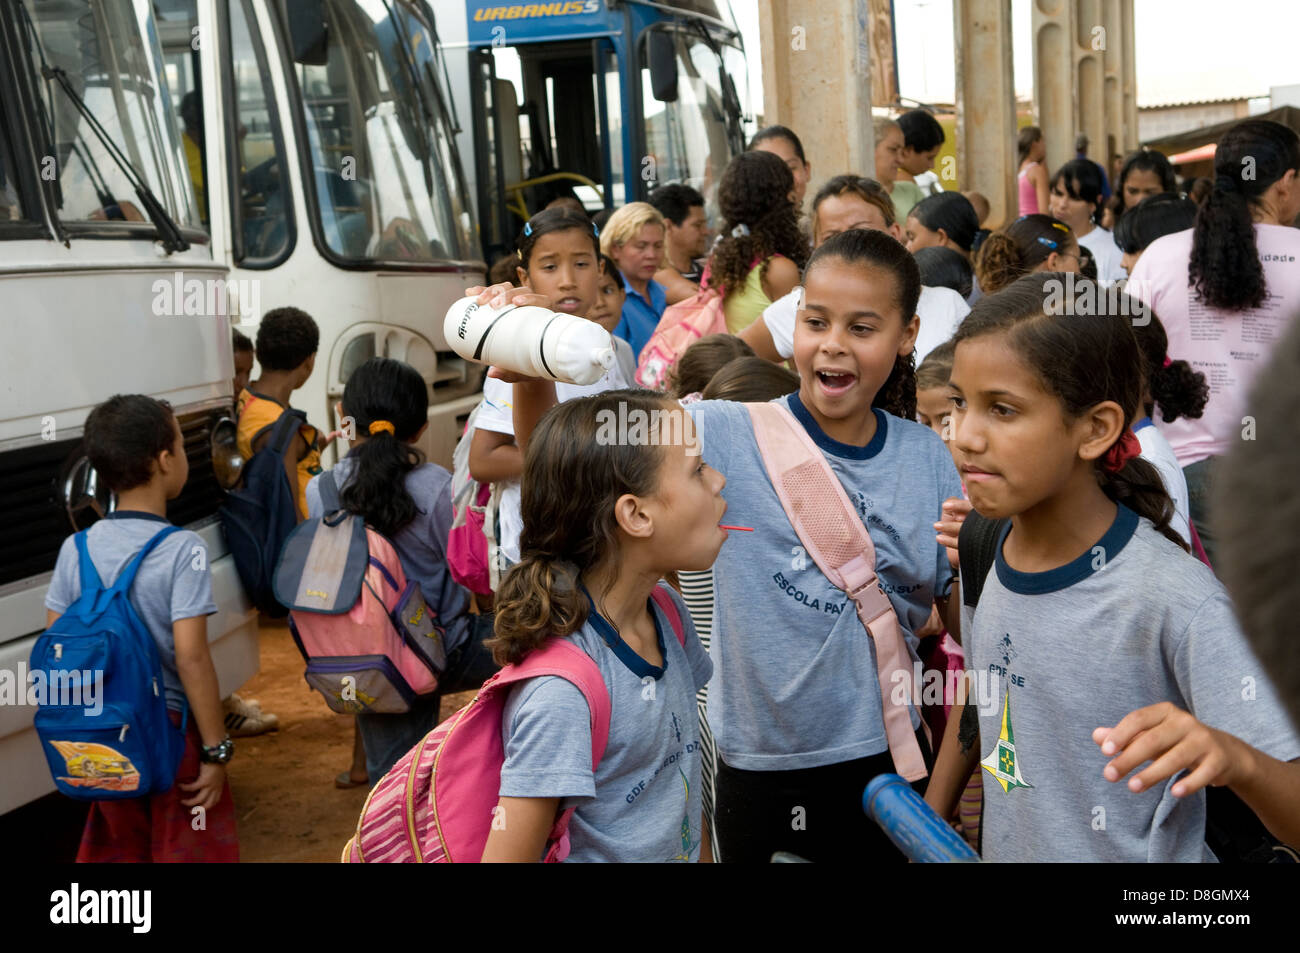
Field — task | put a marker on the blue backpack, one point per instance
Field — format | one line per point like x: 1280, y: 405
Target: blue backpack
x: 120, y: 742
x: 261, y: 512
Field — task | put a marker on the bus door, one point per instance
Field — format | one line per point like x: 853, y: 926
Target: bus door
x: 496, y: 143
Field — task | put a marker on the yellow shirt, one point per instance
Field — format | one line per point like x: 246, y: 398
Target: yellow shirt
x: 744, y: 306
x: 256, y: 413
x: 194, y: 159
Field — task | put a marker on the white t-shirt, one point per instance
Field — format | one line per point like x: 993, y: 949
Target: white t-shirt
x: 1107, y: 254
x: 941, y: 311
x: 497, y: 416
x: 1157, y: 452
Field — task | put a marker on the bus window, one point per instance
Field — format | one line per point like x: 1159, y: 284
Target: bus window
x: 380, y: 193
x: 261, y: 210
x: 116, y: 70
x: 689, y: 137
x: 11, y: 206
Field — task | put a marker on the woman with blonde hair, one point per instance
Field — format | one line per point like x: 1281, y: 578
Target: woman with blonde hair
x: 633, y: 238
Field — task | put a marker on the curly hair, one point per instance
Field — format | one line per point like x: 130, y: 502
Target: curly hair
x: 1178, y: 390
x: 285, y: 338
x: 1018, y: 249
x: 755, y: 192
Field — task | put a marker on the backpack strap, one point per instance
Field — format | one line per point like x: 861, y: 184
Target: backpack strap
x: 283, y: 431
x: 127, y: 577
x: 90, y: 581
x: 832, y: 531
x: 664, y: 600
x: 329, y: 493
x: 977, y: 548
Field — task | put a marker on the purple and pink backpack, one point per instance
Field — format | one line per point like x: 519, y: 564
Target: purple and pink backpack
x: 371, y: 643
x: 437, y: 805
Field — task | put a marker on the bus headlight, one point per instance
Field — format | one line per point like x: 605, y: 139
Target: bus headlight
x: 227, y: 462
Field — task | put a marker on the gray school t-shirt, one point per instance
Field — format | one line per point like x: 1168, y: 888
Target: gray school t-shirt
x: 421, y: 544
x: 642, y: 804
x: 797, y: 685
x: 173, y: 582
x: 1060, y: 653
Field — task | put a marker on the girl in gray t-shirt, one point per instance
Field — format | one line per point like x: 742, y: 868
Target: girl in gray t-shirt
x: 1100, y: 649
x: 613, y: 500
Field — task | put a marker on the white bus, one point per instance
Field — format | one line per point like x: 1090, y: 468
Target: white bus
x: 324, y: 159
x: 302, y: 154
x: 82, y: 259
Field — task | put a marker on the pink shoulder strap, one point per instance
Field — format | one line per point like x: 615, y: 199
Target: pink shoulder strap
x: 833, y: 533
x: 664, y: 600
x: 564, y: 659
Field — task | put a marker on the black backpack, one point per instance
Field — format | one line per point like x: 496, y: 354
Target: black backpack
x: 1232, y: 830
x: 261, y: 512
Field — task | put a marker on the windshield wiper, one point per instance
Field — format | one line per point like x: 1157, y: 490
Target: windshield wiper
x: 169, y: 232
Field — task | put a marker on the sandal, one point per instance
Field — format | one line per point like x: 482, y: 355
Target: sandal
x: 344, y: 781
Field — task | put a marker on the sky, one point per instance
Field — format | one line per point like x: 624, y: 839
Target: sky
x: 1187, y: 50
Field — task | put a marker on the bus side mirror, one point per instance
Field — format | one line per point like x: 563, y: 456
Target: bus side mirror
x: 663, y: 66
x: 309, y: 32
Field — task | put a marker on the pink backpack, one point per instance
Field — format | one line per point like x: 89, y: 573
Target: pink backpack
x: 370, y: 642
x: 469, y: 545
x: 682, y: 325
x: 438, y: 803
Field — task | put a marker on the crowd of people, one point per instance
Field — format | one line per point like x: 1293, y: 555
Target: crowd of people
x: 1069, y: 384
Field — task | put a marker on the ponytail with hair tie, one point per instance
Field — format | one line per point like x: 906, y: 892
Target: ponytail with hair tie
x: 378, y: 425
x: 1121, y: 452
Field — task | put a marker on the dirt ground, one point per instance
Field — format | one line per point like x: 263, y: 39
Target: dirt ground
x: 283, y: 781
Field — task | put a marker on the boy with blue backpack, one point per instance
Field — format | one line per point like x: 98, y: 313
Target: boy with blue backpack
x: 127, y: 608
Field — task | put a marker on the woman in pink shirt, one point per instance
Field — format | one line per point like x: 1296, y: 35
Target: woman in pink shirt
x: 1226, y: 290
x: 1032, y: 178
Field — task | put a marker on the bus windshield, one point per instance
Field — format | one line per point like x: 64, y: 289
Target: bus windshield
x: 378, y: 138
x: 692, y: 138
x: 109, y: 51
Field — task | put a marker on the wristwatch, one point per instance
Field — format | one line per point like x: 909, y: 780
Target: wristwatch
x: 217, y: 754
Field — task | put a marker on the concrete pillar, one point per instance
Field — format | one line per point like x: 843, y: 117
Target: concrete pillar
x: 1091, y: 41
x: 1112, y: 21
x: 1055, y: 102
x: 817, y: 81
x: 1129, y: 83
x: 986, y: 105
x: 884, y: 87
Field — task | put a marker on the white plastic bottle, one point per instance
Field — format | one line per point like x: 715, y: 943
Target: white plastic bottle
x: 530, y: 340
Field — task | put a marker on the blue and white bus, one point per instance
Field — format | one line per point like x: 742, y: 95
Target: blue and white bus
x: 607, y: 98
